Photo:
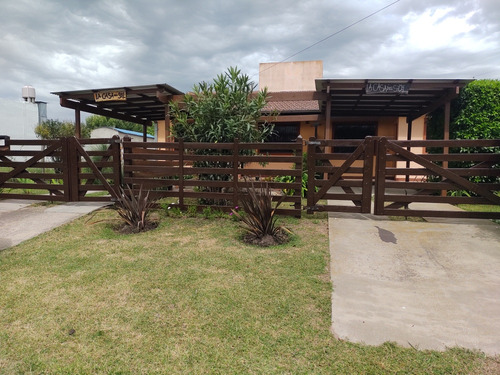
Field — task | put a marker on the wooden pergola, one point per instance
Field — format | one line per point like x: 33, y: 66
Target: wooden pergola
x: 138, y: 104
x: 343, y: 98
x: 333, y: 98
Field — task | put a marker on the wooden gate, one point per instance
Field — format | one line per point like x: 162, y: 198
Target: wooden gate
x: 66, y: 169
x: 412, y: 178
x: 341, y: 180
x: 431, y: 177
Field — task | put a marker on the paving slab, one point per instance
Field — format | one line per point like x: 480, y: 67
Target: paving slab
x: 21, y: 220
x: 429, y: 285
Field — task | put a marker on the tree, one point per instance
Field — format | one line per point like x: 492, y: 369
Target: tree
x: 96, y: 121
x: 475, y: 114
x: 55, y: 129
x: 221, y: 111
x: 479, y: 113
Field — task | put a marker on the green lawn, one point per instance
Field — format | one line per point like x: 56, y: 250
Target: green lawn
x: 186, y: 298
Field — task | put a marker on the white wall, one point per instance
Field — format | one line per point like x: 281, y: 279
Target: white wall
x: 18, y: 119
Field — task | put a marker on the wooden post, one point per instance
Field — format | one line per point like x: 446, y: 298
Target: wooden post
x: 236, y: 154
x: 181, y: 173
x: 311, y: 148
x: 366, y: 190
x: 380, y: 176
x: 73, y: 158
x: 328, y: 120
x: 144, y: 132
x: 78, y: 127
x: 446, y: 136
x: 115, y: 152
x: 447, y: 110
x: 298, y: 166
x: 127, y: 161
x: 409, y: 121
x: 66, y: 169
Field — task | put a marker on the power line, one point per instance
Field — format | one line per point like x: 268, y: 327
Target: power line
x: 333, y: 34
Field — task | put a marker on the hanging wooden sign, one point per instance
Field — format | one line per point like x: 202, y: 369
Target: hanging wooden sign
x: 110, y: 95
x: 387, y: 88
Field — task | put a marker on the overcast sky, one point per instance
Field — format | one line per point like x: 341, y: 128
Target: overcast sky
x: 61, y: 45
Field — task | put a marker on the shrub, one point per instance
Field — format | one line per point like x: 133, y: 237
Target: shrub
x: 259, y: 220
x: 134, y: 210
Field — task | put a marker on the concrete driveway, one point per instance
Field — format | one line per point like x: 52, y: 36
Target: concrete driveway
x: 429, y: 285
x: 21, y: 220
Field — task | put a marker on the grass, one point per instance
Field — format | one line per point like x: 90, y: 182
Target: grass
x: 481, y: 208
x: 186, y: 298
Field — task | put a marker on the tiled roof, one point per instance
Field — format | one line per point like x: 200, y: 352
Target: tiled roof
x: 292, y: 106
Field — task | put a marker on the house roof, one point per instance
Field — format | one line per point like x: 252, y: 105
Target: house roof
x: 386, y: 97
x: 295, y: 106
x: 139, y: 104
x: 131, y: 132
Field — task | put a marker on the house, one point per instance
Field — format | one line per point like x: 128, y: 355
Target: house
x: 330, y: 108
x: 308, y: 104
x: 107, y: 132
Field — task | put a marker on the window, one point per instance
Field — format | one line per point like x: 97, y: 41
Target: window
x: 285, y: 132
x: 353, y: 130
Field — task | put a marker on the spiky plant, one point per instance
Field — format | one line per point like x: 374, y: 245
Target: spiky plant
x: 260, y: 218
x: 134, y: 209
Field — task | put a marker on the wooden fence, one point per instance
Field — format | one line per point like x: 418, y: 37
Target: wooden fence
x: 379, y: 175
x: 215, y: 174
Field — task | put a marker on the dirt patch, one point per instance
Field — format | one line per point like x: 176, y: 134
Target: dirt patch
x: 280, y: 238
x: 124, y: 228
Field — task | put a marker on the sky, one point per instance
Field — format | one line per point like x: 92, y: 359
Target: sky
x: 63, y: 45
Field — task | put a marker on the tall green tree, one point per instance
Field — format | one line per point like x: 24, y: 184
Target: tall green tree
x: 221, y: 111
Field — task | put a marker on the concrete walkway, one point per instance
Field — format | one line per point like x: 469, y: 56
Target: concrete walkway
x: 430, y: 285
x: 21, y: 220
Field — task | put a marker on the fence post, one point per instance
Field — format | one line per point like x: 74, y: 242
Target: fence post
x: 311, y: 150
x: 298, y: 166
x: 127, y: 150
x: 73, y: 159
x: 117, y: 162
x: 366, y: 189
x: 181, y: 173
x: 236, y: 160
x: 66, y: 169
x: 380, y: 176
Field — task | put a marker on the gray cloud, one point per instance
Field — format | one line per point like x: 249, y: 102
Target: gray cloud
x: 58, y: 45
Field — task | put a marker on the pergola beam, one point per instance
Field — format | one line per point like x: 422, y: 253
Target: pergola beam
x: 98, y: 111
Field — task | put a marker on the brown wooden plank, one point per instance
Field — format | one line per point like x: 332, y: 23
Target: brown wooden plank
x: 45, y: 197
x: 468, y: 172
x: 435, y: 199
x: 450, y: 214
x: 495, y: 158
